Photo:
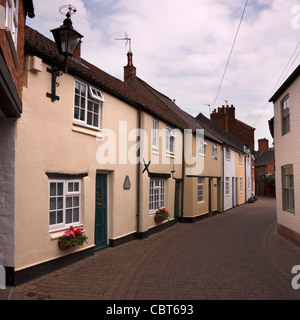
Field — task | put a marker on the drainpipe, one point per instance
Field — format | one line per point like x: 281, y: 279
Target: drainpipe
x: 138, y: 175
x: 222, y: 177
x: 183, y: 172
x: 246, y: 177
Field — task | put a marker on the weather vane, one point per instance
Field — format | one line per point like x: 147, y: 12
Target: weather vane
x: 70, y: 10
x: 127, y: 39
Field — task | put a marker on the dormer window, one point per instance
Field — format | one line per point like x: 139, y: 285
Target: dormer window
x: 87, y: 105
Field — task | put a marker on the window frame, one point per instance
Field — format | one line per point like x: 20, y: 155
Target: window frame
x: 67, y: 194
x: 154, y: 140
x: 170, y: 140
x: 227, y: 154
x: 202, y: 144
x: 154, y: 204
x: 290, y: 189
x: 200, y: 190
x: 241, y: 185
x: 91, y: 100
x: 285, y: 115
x: 11, y: 19
x: 240, y: 158
x: 227, y: 186
x: 215, y: 151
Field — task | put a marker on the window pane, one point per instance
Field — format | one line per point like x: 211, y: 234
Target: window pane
x: 75, y: 201
x: 52, y: 217
x: 77, y: 87
x: 69, y: 216
x: 82, y: 89
x: 76, y: 186
x: 90, y: 118
x: 60, y: 189
x: 60, y: 203
x: 77, y: 101
x: 69, y: 202
x: 70, y: 186
x: 59, y: 216
x: 90, y: 106
x: 82, y: 115
x: 52, y: 189
x: 76, y: 113
x: 76, y: 215
x: 52, y: 203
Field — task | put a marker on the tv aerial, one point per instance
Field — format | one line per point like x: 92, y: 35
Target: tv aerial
x: 208, y: 106
x: 127, y: 39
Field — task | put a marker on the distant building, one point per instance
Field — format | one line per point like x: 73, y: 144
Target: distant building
x: 265, y: 169
x: 225, y: 117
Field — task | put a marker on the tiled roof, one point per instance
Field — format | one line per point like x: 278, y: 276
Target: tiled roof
x: 223, y: 135
x: 37, y: 44
x: 264, y: 158
x: 165, y: 103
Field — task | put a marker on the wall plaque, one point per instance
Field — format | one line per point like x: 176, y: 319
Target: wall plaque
x: 126, y: 184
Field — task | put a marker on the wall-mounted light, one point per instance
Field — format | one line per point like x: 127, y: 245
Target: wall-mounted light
x: 67, y: 40
x: 173, y: 172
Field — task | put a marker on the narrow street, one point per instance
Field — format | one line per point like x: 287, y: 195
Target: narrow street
x: 236, y: 255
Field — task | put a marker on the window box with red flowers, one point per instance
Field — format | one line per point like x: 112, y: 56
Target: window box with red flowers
x: 161, y: 215
x: 72, y: 238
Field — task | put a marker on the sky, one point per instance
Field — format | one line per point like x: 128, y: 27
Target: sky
x: 182, y: 48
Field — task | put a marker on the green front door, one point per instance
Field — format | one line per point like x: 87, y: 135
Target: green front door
x: 101, y: 212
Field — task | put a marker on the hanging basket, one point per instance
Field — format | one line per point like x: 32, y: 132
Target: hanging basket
x: 63, y: 246
x: 159, y: 219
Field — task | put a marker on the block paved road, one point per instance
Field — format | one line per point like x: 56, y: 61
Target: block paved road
x: 235, y: 255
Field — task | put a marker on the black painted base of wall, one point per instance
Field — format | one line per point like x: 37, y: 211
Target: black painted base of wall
x: 198, y: 218
x: 14, y: 278
x: 141, y: 235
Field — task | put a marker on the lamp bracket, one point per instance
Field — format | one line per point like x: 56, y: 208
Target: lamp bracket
x: 55, y: 72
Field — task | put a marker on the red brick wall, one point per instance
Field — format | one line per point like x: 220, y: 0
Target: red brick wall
x: 225, y: 117
x: 263, y: 145
x: 6, y: 50
x: 271, y: 166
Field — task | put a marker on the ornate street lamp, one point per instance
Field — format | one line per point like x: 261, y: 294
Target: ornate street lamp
x: 67, y: 40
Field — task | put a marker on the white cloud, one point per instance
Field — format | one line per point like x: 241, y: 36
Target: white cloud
x: 181, y: 47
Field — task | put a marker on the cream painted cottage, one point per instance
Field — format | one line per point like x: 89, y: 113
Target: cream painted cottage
x: 85, y: 159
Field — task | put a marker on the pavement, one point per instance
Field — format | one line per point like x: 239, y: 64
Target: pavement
x: 235, y: 255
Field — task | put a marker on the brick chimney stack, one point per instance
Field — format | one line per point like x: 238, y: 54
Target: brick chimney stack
x: 263, y: 145
x: 130, y: 69
x: 225, y: 117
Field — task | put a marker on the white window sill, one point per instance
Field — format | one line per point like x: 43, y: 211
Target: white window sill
x: 155, y: 151
x: 56, y: 234
x: 86, y: 130
x: 170, y: 155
